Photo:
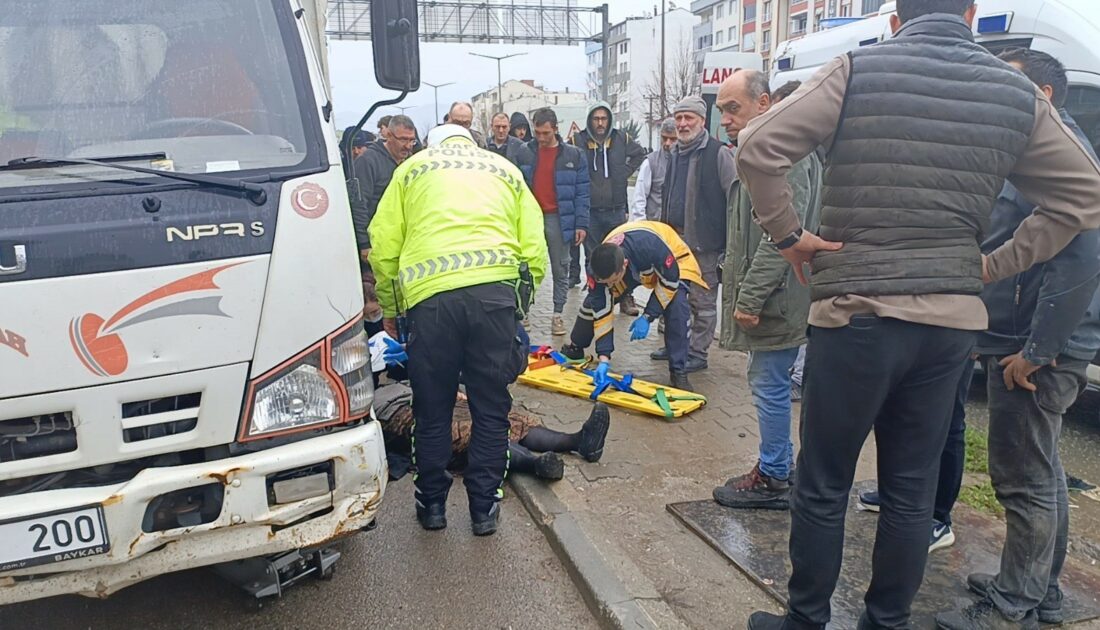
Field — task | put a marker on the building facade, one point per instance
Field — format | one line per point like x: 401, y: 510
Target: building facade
x: 760, y: 25
x: 635, y: 58
x: 519, y: 96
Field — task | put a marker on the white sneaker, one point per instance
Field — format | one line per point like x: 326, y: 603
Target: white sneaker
x: 942, y: 536
x: 557, y: 326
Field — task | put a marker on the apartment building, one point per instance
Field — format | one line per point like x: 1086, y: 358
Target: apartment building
x: 759, y: 25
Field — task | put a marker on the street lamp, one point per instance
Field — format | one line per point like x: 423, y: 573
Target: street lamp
x: 435, y: 88
x: 500, y: 88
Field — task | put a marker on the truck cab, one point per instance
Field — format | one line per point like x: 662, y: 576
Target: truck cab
x: 184, y: 372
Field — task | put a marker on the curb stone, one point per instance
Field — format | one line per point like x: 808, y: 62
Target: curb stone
x: 609, y: 599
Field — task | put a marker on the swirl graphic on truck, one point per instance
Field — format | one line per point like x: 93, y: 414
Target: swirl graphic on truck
x: 97, y: 342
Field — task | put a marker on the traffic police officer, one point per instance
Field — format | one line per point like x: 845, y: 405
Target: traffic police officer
x: 647, y: 253
x: 452, y: 234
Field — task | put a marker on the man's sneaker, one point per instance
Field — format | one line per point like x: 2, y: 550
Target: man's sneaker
x: 549, y: 466
x: 796, y: 392
x: 695, y: 364
x: 628, y: 307
x: 942, y: 536
x: 557, y: 326
x: 485, y: 524
x: 594, y: 433
x: 755, y: 491
x: 679, y: 380
x: 869, y: 501
x: 660, y: 355
x: 984, y: 616
x: 572, y: 352
x: 1049, y: 610
x: 766, y: 621
x: 432, y: 516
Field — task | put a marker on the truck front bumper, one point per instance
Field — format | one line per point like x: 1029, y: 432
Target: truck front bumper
x: 247, y: 525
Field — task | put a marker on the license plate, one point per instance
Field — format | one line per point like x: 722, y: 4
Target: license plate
x: 55, y: 537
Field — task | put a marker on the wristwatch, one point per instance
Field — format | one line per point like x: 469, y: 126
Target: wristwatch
x: 791, y: 240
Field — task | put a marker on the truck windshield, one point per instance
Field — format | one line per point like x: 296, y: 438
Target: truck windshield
x: 207, y: 83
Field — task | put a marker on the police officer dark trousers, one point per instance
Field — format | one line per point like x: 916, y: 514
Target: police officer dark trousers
x: 467, y: 333
x: 454, y: 234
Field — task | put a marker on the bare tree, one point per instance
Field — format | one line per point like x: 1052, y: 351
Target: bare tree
x: 681, y: 80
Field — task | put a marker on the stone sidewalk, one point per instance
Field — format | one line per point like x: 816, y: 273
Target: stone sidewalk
x: 619, y: 502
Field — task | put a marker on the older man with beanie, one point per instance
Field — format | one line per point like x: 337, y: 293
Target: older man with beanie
x: 648, y: 187
x: 699, y: 173
x: 612, y: 156
x: 897, y: 274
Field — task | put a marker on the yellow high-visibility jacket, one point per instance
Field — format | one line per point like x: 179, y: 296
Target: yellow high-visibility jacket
x: 453, y: 216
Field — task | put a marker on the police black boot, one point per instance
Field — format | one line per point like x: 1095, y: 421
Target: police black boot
x: 766, y: 621
x: 572, y: 352
x: 432, y: 516
x: 679, y: 380
x: 485, y: 523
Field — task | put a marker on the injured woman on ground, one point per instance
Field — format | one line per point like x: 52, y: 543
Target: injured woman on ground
x: 534, y: 449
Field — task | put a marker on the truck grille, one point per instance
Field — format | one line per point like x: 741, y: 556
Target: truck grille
x: 37, y: 436
x: 160, y: 417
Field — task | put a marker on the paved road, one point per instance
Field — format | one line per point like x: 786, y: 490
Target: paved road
x: 396, y: 577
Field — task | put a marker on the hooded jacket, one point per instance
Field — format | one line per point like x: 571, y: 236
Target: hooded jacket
x: 612, y: 159
x: 371, y: 173
x: 1052, y: 308
x: 518, y: 121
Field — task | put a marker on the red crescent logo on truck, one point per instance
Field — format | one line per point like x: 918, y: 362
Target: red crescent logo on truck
x: 96, y: 341
x: 309, y: 200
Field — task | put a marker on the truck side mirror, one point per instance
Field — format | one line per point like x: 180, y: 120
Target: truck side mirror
x: 395, y: 36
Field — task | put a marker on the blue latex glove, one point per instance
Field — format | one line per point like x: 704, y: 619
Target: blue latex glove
x: 639, y: 329
x: 600, y: 378
x: 395, y: 353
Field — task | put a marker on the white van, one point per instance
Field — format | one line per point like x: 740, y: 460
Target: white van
x: 1066, y: 29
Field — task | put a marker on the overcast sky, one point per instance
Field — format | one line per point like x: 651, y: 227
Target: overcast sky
x: 554, y: 67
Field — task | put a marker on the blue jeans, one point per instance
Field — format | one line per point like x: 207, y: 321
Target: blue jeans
x: 770, y: 381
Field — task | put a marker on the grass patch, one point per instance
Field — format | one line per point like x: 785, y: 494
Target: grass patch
x: 982, y: 498
x: 977, y: 451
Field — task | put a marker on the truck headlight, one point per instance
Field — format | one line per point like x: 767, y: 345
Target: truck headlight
x: 351, y: 362
x: 329, y: 383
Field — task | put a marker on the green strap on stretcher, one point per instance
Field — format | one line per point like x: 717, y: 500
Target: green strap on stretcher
x: 664, y: 401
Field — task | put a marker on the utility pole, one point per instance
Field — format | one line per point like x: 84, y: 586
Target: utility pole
x: 652, y: 122
x: 664, y: 103
x: 606, y: 60
x: 435, y: 88
x: 500, y: 85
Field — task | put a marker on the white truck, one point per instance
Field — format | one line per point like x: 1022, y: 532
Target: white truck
x: 184, y: 374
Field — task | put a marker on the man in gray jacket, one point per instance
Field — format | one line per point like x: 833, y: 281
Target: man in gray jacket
x: 649, y: 187
x: 764, y: 308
